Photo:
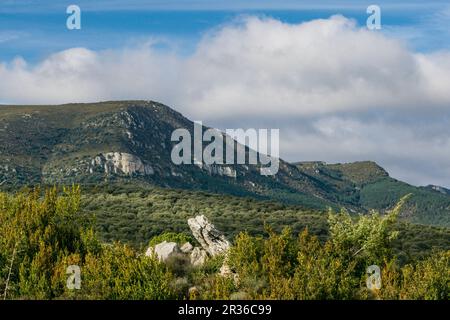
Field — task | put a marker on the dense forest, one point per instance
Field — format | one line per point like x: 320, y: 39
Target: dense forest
x: 134, y: 215
x: 44, y: 233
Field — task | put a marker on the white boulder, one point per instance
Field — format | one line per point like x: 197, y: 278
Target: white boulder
x: 211, y: 239
x: 163, y: 250
x: 187, y: 247
x: 198, y: 257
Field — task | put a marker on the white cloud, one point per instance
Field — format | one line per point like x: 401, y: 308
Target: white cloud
x: 322, y: 66
x: 6, y: 36
x: 328, y: 71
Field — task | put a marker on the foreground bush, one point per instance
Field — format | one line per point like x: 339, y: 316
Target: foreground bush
x: 42, y: 235
x: 285, y: 267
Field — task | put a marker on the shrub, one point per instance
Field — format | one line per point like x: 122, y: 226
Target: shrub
x: 179, y: 238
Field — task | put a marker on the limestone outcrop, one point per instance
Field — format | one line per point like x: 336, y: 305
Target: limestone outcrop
x: 164, y: 250
x: 121, y: 163
x: 187, y: 247
x: 198, y: 257
x: 212, y: 240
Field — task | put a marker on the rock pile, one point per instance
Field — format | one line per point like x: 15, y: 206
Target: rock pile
x: 212, y: 241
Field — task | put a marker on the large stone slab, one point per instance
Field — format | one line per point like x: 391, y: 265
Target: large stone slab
x: 211, y: 239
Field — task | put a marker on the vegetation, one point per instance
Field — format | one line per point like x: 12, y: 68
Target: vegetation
x: 67, y: 144
x: 133, y: 217
x: 41, y: 237
x: 365, y: 185
x: 43, y: 234
x: 285, y: 267
x: 282, y: 266
x: 425, y: 206
x: 179, y: 238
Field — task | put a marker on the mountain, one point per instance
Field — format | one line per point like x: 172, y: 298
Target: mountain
x: 367, y: 185
x: 438, y: 189
x: 130, y: 141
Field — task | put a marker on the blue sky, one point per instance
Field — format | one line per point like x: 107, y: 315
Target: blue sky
x: 33, y: 29
x: 337, y: 91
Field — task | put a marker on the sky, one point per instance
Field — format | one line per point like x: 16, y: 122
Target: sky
x: 337, y: 91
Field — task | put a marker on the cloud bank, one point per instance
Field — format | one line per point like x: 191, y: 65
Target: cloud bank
x: 338, y: 92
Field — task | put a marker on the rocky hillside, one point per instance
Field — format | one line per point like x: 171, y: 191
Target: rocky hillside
x: 130, y: 141
x: 438, y: 189
x: 367, y: 185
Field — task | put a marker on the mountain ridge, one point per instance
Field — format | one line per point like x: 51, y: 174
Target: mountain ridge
x: 122, y: 141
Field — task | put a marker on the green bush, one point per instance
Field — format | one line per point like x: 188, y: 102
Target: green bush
x: 44, y: 233
x: 179, y: 238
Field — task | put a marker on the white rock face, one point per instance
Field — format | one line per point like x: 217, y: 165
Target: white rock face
x: 226, y: 171
x: 198, y: 257
x: 186, y: 248
x: 220, y: 170
x: 211, y: 239
x: 121, y: 163
x: 164, y: 250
